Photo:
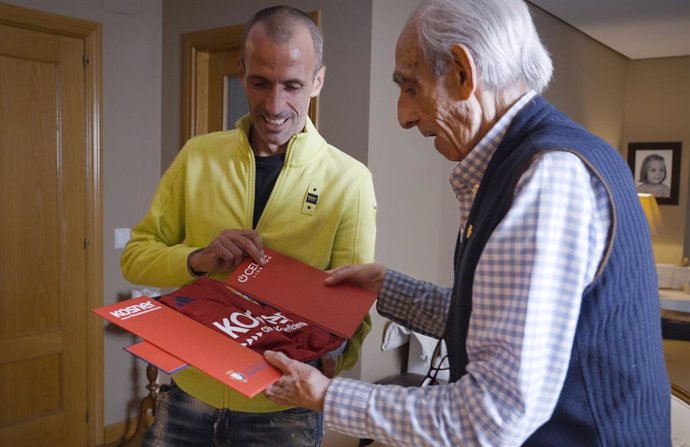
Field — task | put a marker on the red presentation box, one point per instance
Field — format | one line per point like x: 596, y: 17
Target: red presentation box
x: 173, y: 340
x: 162, y: 360
x: 209, y: 351
x: 289, y: 284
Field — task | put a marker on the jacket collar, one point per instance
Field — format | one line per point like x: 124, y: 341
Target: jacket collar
x: 301, y: 147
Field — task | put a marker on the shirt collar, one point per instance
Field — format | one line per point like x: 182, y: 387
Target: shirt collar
x: 467, y: 174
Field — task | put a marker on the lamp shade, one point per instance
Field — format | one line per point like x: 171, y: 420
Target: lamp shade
x: 652, y: 212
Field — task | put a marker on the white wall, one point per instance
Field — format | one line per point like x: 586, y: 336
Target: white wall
x: 417, y: 212
x: 131, y: 156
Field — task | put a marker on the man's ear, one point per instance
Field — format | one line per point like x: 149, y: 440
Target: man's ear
x: 318, y: 81
x: 463, y: 71
x: 242, y: 71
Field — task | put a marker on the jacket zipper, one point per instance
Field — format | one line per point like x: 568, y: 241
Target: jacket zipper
x: 279, y: 181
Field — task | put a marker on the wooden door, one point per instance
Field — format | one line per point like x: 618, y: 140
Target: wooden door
x: 219, y: 99
x: 45, y: 204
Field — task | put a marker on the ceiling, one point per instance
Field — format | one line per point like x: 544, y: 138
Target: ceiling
x: 638, y: 29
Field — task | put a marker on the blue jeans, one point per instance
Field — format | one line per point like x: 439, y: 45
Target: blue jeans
x: 182, y: 420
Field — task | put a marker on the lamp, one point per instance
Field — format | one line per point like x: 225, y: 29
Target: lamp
x: 652, y: 212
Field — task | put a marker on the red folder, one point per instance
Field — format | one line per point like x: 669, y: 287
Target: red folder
x: 211, y: 352
x: 286, y: 283
x: 149, y: 353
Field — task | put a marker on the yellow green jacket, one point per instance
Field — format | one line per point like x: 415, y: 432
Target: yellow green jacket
x: 210, y: 188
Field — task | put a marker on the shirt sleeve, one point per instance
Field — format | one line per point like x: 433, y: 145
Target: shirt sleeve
x: 418, y: 305
x: 526, y: 301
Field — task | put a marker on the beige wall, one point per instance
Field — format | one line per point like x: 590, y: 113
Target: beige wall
x: 624, y: 100
x: 657, y: 108
x: 589, y: 78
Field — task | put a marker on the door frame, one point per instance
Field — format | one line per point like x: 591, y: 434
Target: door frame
x: 192, y: 95
x: 90, y: 33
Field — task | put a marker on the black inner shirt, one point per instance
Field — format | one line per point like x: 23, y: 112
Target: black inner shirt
x: 267, y: 170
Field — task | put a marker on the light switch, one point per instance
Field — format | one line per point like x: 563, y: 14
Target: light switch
x: 122, y: 236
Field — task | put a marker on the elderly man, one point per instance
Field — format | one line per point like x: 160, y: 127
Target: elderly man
x: 552, y: 324
x: 275, y: 181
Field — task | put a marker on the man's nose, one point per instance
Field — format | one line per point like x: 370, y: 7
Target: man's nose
x: 407, y: 116
x: 274, y: 102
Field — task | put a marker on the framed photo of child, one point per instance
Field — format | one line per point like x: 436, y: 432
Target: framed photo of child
x: 656, y: 168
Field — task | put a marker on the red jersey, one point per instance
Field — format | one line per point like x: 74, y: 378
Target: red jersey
x: 250, y: 323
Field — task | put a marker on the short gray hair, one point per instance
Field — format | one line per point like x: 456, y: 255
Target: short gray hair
x: 499, y: 34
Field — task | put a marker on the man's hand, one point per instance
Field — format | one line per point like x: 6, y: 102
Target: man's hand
x: 367, y: 276
x: 227, y: 250
x: 301, y: 385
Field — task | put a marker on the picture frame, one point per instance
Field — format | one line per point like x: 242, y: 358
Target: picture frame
x: 656, y: 169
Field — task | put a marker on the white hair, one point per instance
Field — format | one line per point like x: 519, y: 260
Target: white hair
x: 499, y: 34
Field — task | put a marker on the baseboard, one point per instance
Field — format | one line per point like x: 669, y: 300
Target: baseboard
x: 120, y: 431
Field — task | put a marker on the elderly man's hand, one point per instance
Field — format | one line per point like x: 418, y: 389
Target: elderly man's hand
x: 367, y: 276
x: 301, y: 385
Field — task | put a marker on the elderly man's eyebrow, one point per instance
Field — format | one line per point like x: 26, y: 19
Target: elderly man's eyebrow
x: 399, y: 78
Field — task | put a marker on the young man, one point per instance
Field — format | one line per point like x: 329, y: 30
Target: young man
x: 552, y: 326
x: 275, y: 182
